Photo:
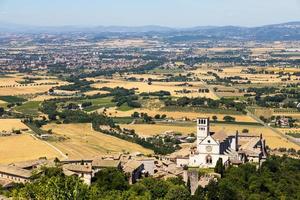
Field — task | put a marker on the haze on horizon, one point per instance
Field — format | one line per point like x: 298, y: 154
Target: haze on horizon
x: 172, y: 13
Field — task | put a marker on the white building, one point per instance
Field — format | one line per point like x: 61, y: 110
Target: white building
x: 211, y: 146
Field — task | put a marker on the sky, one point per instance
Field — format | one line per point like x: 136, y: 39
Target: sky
x: 172, y: 13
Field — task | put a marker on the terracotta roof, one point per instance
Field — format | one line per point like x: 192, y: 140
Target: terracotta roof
x: 78, y: 168
x: 16, y: 171
x: 77, y: 160
x: 105, y: 163
x: 131, y: 165
x: 29, y: 163
x: 219, y: 136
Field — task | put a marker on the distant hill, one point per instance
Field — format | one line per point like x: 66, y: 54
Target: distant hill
x: 284, y: 31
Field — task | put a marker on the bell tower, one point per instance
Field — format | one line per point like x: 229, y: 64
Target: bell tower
x: 202, y: 128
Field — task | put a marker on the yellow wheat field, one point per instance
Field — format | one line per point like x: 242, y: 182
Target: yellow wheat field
x: 157, y: 86
x: 84, y: 142
x: 176, y: 114
x: 10, y: 124
x: 22, y: 148
x: 93, y: 92
x: 25, y: 90
x: 45, y: 97
x: 146, y: 130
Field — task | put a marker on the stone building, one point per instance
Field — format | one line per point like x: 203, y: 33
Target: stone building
x: 233, y: 148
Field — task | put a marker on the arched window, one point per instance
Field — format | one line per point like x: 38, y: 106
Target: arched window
x: 208, y: 159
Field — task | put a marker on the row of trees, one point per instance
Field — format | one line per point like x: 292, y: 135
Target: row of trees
x: 206, y: 103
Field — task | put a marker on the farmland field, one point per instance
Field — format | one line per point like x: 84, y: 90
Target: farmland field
x: 83, y: 142
x: 177, y: 114
x: 25, y: 90
x: 11, y: 99
x: 146, y: 130
x: 9, y: 124
x: 24, y: 147
x: 29, y: 108
x: 172, y: 87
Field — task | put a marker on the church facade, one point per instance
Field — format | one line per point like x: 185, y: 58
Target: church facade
x: 232, y: 148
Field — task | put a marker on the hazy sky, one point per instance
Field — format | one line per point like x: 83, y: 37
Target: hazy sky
x: 175, y: 13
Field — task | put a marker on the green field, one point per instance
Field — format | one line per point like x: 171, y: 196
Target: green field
x: 124, y: 107
x: 123, y: 120
x: 12, y: 99
x: 98, y: 103
x: 29, y: 108
x: 203, y: 110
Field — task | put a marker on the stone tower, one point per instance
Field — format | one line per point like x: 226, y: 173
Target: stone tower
x: 202, y: 129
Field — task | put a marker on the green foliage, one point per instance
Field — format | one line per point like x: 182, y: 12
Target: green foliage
x: 278, y: 178
x: 204, y: 102
x: 12, y: 99
x: 29, y: 108
x: 53, y: 185
x: 125, y: 107
x: 220, y: 168
x: 2, y: 111
x: 77, y: 85
x: 177, y: 193
x: 110, y: 179
x: 228, y: 119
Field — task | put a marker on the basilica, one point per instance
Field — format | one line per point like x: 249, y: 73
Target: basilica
x: 233, y: 148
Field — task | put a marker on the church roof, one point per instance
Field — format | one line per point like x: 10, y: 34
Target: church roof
x: 219, y: 136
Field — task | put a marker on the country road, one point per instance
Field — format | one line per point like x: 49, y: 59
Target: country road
x: 269, y: 127
x: 50, y: 145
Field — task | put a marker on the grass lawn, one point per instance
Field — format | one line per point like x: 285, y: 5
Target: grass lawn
x: 29, y: 108
x: 12, y: 99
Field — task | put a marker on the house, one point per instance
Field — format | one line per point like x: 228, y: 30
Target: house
x: 14, y: 174
x: 31, y: 164
x: 99, y: 164
x: 134, y: 170
x: 77, y: 161
x: 148, y: 163
x: 84, y: 172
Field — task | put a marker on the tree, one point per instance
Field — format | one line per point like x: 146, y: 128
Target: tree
x: 157, y: 188
x: 245, y: 130
x: 1, y: 111
x: 53, y: 185
x: 215, y: 118
x: 157, y: 116
x: 177, y: 193
x: 228, y: 118
x: 176, y: 180
x: 135, y: 115
x: 220, y: 168
x: 212, y: 190
x: 200, y: 194
x: 110, y: 179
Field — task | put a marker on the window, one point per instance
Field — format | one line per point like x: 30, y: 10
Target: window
x: 208, y: 159
x: 208, y: 141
